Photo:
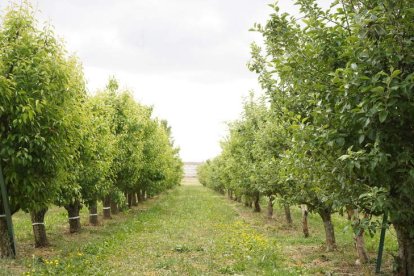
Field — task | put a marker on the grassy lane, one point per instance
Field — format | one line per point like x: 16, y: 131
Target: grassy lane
x: 191, y: 232
x: 188, y: 231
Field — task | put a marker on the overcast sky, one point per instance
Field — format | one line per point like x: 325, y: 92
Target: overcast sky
x: 187, y: 58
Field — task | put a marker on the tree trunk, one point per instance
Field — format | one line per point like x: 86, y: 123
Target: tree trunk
x: 134, y: 199
x: 360, y: 247
x: 359, y: 239
x: 287, y: 214
x: 350, y: 212
x: 129, y: 199
x: 39, y: 229
x: 107, y: 208
x: 239, y: 199
x: 145, y: 195
x: 229, y: 194
x: 93, y: 214
x: 329, y: 230
x: 140, y: 196
x: 270, y: 207
x: 256, y: 203
x: 114, y: 208
x: 73, y: 216
x: 405, y: 259
x: 305, y: 213
x: 6, y: 250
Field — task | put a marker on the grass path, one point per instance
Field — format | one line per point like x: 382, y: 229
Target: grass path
x: 188, y: 231
x: 191, y: 232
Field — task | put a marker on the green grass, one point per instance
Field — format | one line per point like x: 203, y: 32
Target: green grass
x: 187, y: 231
x: 309, y: 254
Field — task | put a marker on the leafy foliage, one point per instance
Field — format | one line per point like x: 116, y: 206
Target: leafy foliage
x: 40, y: 91
x: 60, y: 145
x: 339, y: 128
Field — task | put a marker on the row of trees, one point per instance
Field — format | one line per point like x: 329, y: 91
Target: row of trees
x: 336, y: 128
x: 59, y: 145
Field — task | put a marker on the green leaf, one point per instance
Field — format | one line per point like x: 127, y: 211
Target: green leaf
x: 378, y: 89
x: 411, y: 172
x: 367, y: 121
x: 343, y: 157
x: 383, y: 115
x: 395, y: 73
x: 340, y: 141
x: 361, y: 138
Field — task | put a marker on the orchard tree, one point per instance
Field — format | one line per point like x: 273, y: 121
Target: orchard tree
x: 98, y: 153
x: 271, y: 143
x: 348, y: 72
x: 171, y: 167
x: 295, y: 73
x: 145, y: 161
x: 126, y: 127
x: 203, y: 172
x: 253, y: 115
x: 375, y: 110
x: 211, y: 172
x: 39, y: 89
x: 69, y: 192
x: 89, y: 177
x: 130, y: 120
x: 148, y: 172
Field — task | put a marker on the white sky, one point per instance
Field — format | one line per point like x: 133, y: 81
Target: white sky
x: 187, y: 58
